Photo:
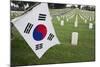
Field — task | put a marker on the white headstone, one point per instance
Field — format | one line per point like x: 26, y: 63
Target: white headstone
x: 90, y: 25
x: 74, y: 40
x: 62, y: 23
x: 58, y: 18
x: 90, y: 19
x: 76, y: 22
x: 85, y: 21
x: 67, y: 19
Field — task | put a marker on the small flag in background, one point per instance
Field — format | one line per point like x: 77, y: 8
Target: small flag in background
x: 37, y: 29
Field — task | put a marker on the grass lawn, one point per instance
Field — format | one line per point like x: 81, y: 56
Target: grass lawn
x: 21, y: 53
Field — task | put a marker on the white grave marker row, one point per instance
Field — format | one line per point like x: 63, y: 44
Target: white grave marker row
x: 76, y: 21
x: 85, y: 21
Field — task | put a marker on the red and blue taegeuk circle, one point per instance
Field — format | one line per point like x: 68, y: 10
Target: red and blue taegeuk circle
x: 39, y: 32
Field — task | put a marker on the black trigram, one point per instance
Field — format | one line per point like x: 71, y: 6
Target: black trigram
x: 50, y: 37
x: 28, y: 28
x: 42, y: 17
x: 39, y: 46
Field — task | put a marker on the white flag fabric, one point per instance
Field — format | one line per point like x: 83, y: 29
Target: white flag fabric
x: 36, y: 28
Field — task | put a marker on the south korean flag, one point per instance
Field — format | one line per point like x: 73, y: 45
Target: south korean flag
x: 37, y: 29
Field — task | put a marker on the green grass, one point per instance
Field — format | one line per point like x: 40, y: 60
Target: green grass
x: 21, y: 53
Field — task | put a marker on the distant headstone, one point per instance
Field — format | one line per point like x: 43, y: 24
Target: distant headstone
x: 74, y: 40
x: 85, y: 21
x: 67, y: 19
x: 58, y: 18
x: 90, y: 25
x: 90, y: 19
x: 76, y: 22
x: 62, y: 23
